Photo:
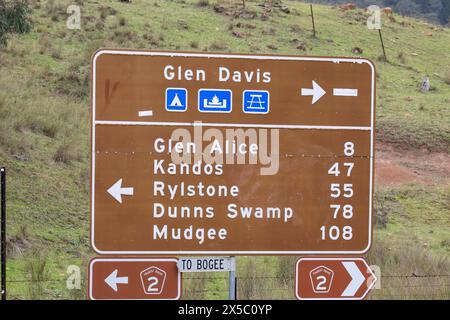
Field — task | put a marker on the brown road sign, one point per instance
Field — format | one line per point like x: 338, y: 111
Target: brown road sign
x: 333, y: 279
x: 134, y: 278
x: 303, y: 127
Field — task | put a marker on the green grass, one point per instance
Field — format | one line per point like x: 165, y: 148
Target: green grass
x: 420, y: 218
x: 406, y: 116
x: 44, y: 81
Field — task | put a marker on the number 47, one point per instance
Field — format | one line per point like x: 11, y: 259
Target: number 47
x: 334, y: 170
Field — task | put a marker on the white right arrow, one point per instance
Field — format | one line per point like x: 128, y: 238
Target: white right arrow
x: 357, y: 279
x: 112, y: 280
x: 316, y: 92
x: 116, y: 191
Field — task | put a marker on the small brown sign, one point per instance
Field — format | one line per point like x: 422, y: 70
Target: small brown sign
x: 333, y: 279
x: 132, y: 278
x: 198, y: 153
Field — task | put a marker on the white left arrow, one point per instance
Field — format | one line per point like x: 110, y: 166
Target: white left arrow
x: 116, y: 191
x: 316, y: 92
x: 112, y: 280
x: 357, y: 279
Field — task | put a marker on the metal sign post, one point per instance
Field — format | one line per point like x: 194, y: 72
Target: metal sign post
x: 232, y: 292
x: 212, y: 264
x: 3, y: 230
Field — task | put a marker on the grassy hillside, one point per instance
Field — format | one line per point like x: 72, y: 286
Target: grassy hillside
x: 431, y: 10
x: 44, y: 127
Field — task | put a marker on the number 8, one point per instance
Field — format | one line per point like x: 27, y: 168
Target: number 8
x: 347, y: 211
x: 349, y: 149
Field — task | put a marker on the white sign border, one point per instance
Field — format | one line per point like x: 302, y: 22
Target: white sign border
x: 230, y: 56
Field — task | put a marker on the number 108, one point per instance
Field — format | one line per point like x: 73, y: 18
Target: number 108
x: 334, y: 233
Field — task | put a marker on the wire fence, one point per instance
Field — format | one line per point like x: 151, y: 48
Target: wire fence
x: 239, y: 278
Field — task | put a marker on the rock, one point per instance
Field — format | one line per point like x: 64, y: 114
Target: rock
x: 285, y: 9
x: 219, y: 9
x: 387, y: 11
x: 302, y: 46
x: 237, y: 34
x: 21, y: 157
x: 357, y: 50
x: 425, y: 84
x: 264, y: 17
x: 348, y: 6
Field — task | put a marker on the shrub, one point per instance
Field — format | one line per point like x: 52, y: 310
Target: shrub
x: 203, y: 3
x: 285, y: 272
x: 14, y: 18
x: 217, y: 46
x: 11, y: 143
x: 401, y: 57
x: 194, y: 44
x: 124, y: 37
x: 56, y: 54
x: 75, y: 81
x: 17, y: 16
x: 66, y: 154
x: 249, y: 283
x: 122, y: 21
x: 84, y: 179
x: 385, y: 205
x: 195, y: 288
x: 37, y: 269
x: 55, y: 10
x: 37, y: 124
x: 18, y: 243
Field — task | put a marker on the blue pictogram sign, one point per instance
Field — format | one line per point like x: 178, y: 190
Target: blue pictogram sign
x: 255, y: 101
x: 214, y: 100
x: 176, y: 99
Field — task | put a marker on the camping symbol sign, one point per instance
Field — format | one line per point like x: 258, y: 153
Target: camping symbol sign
x: 176, y: 99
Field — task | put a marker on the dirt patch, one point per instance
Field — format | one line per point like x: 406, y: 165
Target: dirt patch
x: 394, y: 167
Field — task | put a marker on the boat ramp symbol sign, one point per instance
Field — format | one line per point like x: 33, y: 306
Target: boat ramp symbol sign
x: 255, y: 101
x: 176, y: 99
x: 214, y: 100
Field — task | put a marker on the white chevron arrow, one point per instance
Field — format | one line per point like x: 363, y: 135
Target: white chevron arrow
x: 112, y: 280
x: 116, y: 191
x: 357, y: 279
x: 316, y: 92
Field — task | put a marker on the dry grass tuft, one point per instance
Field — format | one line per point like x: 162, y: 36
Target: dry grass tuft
x: 37, y: 269
x: 67, y: 153
x: 18, y: 243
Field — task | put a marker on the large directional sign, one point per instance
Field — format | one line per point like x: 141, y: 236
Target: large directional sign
x: 333, y: 279
x: 225, y: 154
x: 133, y: 278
